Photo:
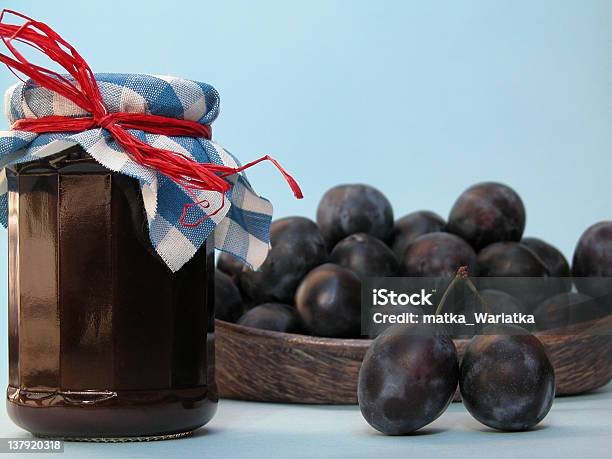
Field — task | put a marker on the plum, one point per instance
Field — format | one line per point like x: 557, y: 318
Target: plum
x: 510, y: 259
x: 566, y: 309
x: 413, y: 225
x: 551, y: 256
x: 437, y: 255
x: 228, y: 301
x: 486, y: 213
x: 297, y: 247
x: 513, y: 259
x: 407, y: 380
x: 374, y: 329
x: 355, y: 208
x: 230, y: 265
x: 593, y: 258
x: 497, y: 302
x: 501, y: 302
x: 365, y: 255
x: 507, y: 381
x: 271, y: 316
x: 553, y: 259
x: 328, y: 302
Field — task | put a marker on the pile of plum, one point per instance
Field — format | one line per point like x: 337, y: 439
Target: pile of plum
x: 310, y: 283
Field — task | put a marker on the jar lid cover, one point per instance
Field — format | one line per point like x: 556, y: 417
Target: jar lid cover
x: 242, y: 223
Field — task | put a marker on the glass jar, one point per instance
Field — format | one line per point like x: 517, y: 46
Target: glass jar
x: 105, y: 342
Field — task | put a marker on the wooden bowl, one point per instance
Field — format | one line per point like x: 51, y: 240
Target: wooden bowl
x: 268, y: 366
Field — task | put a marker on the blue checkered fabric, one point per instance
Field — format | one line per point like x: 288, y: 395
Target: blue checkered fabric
x: 242, y: 225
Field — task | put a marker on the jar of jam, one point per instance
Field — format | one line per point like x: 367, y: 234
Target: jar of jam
x: 117, y: 198
x: 105, y: 341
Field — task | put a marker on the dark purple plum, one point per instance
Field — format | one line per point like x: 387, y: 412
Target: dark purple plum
x: 486, y: 213
x: 349, y: 209
x: 407, y: 380
x: 374, y: 329
x: 553, y: 259
x: 550, y: 255
x: 228, y: 301
x: 328, y: 302
x: 593, y: 258
x: 230, y: 265
x: 566, y: 309
x: 234, y: 268
x: 507, y: 381
x: 297, y: 247
x: 413, y: 225
x: 501, y: 302
x: 365, y: 255
x: 512, y: 259
x: 271, y: 316
x: 496, y: 301
x: 437, y: 255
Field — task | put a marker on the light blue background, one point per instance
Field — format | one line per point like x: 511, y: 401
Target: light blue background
x: 420, y: 99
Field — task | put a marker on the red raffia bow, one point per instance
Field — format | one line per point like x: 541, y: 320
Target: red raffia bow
x: 84, y: 92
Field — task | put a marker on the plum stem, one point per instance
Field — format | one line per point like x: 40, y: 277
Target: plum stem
x: 481, y: 300
x: 461, y: 272
x: 462, y: 276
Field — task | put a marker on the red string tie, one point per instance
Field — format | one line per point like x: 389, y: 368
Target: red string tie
x: 83, y: 90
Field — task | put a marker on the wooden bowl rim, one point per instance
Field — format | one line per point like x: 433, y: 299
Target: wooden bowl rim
x: 360, y: 343
x: 296, y: 338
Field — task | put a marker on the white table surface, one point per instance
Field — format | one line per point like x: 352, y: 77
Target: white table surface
x: 577, y: 427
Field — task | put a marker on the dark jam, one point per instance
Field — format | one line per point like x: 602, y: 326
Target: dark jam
x: 104, y: 340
